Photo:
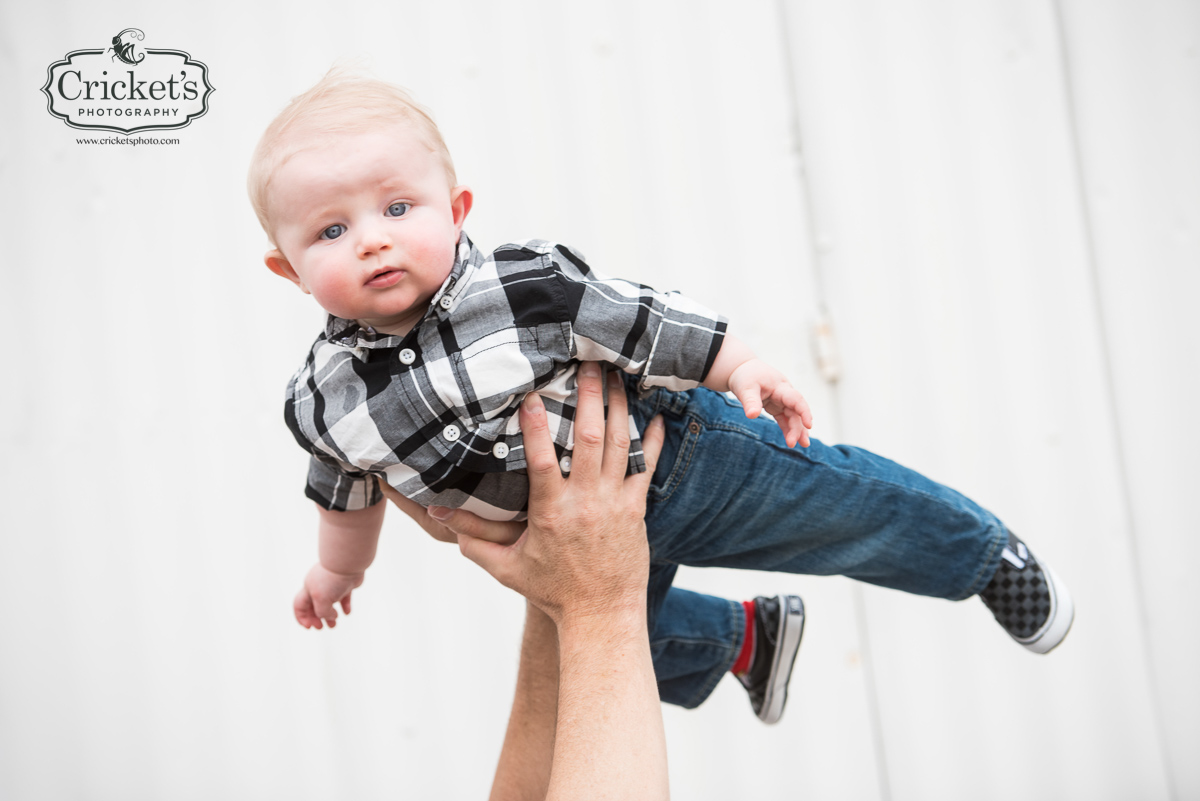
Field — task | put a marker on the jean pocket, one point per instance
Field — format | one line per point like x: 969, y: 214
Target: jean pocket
x: 679, y: 447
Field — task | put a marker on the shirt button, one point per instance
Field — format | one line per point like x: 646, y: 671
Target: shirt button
x: 451, y: 433
x: 499, y: 450
x: 407, y: 356
x: 565, y: 464
x: 446, y: 302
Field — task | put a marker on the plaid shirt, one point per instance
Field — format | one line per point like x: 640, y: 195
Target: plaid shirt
x: 434, y: 412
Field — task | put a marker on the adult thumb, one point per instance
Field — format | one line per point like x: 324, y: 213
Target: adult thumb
x: 496, y: 559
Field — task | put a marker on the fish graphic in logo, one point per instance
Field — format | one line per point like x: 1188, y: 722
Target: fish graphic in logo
x: 123, y: 48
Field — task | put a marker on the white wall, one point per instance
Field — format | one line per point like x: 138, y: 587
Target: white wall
x: 994, y: 202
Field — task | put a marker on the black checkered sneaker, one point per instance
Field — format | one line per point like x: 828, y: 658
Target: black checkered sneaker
x: 778, y: 627
x: 1028, y: 600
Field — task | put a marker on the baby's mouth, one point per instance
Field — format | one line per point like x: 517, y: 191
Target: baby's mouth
x: 385, y: 278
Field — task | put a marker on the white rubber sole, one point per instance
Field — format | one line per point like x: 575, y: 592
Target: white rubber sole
x: 791, y: 629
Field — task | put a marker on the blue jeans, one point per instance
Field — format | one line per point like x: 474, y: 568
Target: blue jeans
x: 728, y: 492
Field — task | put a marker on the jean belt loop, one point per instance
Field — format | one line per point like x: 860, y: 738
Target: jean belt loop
x: 678, y: 402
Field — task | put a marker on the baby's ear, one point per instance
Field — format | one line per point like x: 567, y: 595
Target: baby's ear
x: 460, y: 204
x: 278, y: 264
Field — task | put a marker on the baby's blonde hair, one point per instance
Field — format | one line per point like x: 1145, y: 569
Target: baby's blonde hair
x: 342, y: 102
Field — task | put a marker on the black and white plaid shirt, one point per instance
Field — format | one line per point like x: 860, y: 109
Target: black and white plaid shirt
x: 434, y: 412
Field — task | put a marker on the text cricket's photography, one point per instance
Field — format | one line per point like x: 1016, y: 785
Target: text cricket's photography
x: 127, y: 87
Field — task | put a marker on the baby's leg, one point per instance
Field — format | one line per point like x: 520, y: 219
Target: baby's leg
x: 696, y: 639
x: 728, y: 492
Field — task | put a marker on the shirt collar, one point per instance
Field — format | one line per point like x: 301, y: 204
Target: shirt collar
x: 466, y: 263
x: 353, y: 335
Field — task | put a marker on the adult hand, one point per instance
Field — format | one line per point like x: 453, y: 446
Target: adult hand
x: 584, y: 551
x: 593, y: 727
x: 431, y: 520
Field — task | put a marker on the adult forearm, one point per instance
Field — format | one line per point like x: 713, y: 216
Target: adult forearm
x: 610, y: 729
x: 523, y: 771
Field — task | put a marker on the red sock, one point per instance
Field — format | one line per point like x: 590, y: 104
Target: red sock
x: 746, y: 655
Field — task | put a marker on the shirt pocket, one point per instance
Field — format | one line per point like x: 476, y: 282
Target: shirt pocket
x: 493, y: 373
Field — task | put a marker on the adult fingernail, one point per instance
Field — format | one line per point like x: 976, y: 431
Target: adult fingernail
x: 531, y: 404
x: 440, y: 512
x: 590, y: 370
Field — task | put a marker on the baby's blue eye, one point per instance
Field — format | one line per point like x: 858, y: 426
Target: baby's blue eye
x: 398, y: 209
x: 333, y: 231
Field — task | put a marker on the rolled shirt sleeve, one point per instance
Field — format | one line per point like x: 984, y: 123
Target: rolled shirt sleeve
x: 332, y: 484
x: 667, y: 339
x: 334, y: 489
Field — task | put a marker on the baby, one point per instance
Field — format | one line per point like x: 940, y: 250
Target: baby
x: 430, y: 345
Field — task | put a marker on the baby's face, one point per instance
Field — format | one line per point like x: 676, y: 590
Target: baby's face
x: 367, y: 224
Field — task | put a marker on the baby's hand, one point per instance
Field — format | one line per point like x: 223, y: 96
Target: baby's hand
x: 322, y: 589
x: 758, y: 385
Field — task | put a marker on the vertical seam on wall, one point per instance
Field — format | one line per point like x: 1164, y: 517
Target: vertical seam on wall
x: 789, y: 77
x: 870, y: 683
x: 1109, y: 378
x: 806, y: 196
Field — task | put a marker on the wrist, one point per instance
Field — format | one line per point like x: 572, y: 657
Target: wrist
x: 733, y: 354
x: 342, y: 570
x: 592, y: 643
x: 614, y: 623
x: 745, y: 363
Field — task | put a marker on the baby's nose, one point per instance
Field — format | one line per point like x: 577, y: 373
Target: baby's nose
x: 373, y: 239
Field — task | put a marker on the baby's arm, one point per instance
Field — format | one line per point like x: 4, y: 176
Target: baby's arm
x: 347, y: 547
x: 758, y: 385
x: 606, y: 326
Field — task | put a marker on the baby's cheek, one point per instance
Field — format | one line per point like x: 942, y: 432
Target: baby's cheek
x: 438, y: 256
x: 334, y: 296
x: 438, y: 249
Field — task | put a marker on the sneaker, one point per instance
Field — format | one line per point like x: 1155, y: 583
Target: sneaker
x: 1028, y: 600
x: 778, y: 626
